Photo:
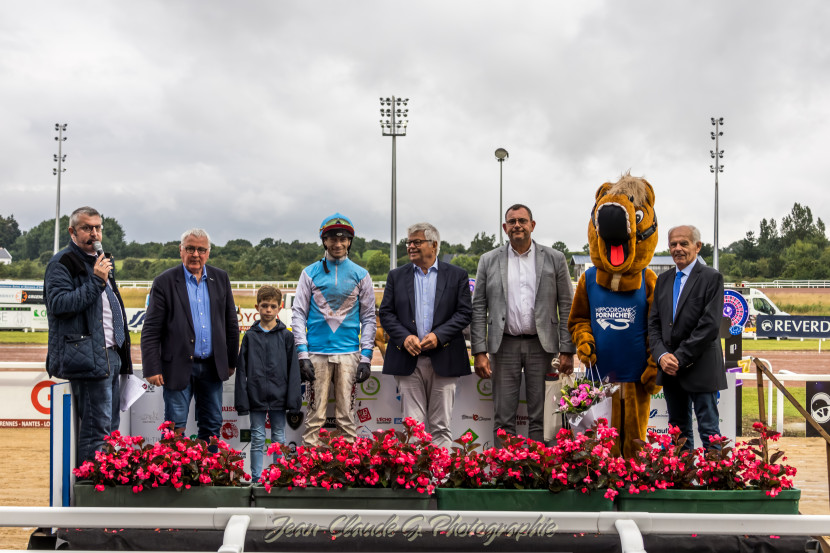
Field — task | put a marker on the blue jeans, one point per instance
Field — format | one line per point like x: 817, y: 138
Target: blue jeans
x: 98, y: 405
x: 680, y: 404
x: 207, y: 388
x: 277, y: 419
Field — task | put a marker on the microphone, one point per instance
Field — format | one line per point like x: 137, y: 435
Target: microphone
x: 99, y: 250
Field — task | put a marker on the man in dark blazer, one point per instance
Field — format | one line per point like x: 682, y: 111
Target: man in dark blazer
x: 426, y: 306
x: 190, y: 339
x: 684, y: 334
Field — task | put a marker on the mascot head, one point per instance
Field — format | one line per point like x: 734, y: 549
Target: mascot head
x: 622, y: 234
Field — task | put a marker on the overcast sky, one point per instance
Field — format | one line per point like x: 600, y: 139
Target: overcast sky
x: 257, y: 119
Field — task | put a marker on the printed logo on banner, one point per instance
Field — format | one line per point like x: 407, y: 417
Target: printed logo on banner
x: 363, y: 414
x: 363, y: 431
x: 383, y: 420
x: 485, y: 387
x: 522, y: 420
x: 475, y: 417
x: 370, y: 386
x: 137, y: 321
x: 656, y: 414
x: 398, y: 420
x: 736, y: 309
x: 657, y: 429
x: 331, y: 422
x: 820, y: 407
x: 41, y: 407
x: 471, y: 431
x: 229, y: 431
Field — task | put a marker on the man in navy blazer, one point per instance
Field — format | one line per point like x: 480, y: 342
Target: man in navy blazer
x: 684, y: 335
x: 190, y: 339
x: 426, y: 306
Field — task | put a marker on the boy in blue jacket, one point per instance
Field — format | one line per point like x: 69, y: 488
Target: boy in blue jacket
x: 267, y: 376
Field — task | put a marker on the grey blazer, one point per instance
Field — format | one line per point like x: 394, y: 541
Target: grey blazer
x: 554, y: 294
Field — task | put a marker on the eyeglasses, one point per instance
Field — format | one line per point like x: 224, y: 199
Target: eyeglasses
x: 90, y: 228
x: 194, y: 249
x: 514, y: 222
x: 416, y: 243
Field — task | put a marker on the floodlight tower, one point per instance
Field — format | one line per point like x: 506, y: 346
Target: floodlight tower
x: 394, y: 113
x: 501, y: 155
x: 717, y: 155
x: 59, y: 159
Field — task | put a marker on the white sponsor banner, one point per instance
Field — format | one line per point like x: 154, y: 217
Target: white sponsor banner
x: 246, y: 317
x: 25, y: 398
x: 377, y: 407
x: 658, y: 419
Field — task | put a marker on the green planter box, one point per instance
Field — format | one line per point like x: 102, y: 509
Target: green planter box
x: 711, y: 501
x: 343, y: 498
x: 196, y: 496
x: 460, y: 499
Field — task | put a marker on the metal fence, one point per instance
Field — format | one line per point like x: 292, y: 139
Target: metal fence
x: 788, y: 284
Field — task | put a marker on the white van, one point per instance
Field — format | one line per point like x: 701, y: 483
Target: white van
x: 759, y: 304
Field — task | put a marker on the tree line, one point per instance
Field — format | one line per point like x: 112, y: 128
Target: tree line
x: 798, y: 248
x: 270, y: 259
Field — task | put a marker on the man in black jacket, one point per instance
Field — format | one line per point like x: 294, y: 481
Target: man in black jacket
x: 89, y: 344
x: 426, y: 306
x: 684, y: 335
x: 190, y: 339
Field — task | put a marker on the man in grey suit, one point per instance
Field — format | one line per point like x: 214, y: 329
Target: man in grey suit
x: 521, y: 304
x: 684, y: 335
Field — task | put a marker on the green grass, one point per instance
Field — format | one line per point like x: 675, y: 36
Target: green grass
x: 793, y: 344
x: 811, y: 309
x: 20, y: 337
x: 749, y: 411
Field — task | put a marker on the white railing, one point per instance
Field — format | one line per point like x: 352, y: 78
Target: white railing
x: 783, y: 376
x: 629, y: 526
x: 788, y: 284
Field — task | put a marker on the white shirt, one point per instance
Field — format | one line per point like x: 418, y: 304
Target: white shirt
x: 686, y: 272
x: 521, y: 291
x: 109, y: 334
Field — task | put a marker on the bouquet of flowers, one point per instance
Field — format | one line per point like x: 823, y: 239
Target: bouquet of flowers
x: 585, y: 400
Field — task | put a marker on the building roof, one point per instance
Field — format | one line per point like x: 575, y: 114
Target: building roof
x: 4, y: 254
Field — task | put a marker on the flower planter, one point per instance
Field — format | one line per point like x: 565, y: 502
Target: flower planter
x: 167, y: 496
x: 461, y: 499
x: 342, y: 498
x: 711, y: 501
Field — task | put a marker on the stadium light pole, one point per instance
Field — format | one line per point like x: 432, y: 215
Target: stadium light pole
x: 59, y: 159
x: 394, y: 113
x: 717, y: 155
x: 501, y: 155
